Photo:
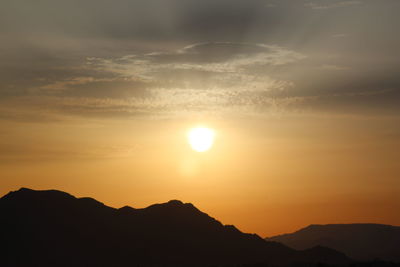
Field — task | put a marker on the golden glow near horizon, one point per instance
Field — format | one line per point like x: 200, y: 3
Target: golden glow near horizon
x: 265, y: 125
x: 265, y: 175
x: 201, y: 139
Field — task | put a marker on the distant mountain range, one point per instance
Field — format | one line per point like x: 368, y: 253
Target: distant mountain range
x: 53, y: 228
x: 358, y: 241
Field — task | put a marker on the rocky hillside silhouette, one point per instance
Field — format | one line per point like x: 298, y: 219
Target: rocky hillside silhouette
x: 53, y: 228
x: 358, y: 241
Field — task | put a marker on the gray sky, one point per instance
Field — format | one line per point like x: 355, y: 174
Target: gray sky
x: 172, y: 57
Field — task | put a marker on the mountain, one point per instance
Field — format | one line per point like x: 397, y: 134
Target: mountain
x: 358, y: 241
x: 53, y: 228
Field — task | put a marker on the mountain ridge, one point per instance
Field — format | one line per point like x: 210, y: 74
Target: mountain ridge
x: 54, y: 228
x: 361, y: 241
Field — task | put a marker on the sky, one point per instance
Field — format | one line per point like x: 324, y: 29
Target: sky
x: 97, y: 97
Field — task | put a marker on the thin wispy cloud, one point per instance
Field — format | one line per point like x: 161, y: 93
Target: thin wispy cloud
x: 332, y: 4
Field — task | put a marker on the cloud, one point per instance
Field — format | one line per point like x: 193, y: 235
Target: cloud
x: 205, y: 77
x: 332, y: 4
x: 217, y: 62
x: 132, y: 58
x: 334, y: 67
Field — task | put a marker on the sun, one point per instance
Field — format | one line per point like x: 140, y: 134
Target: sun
x: 201, y: 139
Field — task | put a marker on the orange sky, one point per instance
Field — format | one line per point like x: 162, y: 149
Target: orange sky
x: 264, y: 175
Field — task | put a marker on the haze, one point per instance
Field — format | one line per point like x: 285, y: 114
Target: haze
x: 96, y: 98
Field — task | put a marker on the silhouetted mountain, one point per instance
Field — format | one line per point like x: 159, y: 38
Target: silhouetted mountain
x: 358, y: 241
x: 53, y: 228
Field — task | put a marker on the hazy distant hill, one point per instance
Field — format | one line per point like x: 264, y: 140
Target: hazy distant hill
x: 53, y: 228
x: 358, y: 241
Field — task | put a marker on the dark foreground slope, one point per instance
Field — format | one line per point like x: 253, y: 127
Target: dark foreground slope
x: 53, y: 228
x: 359, y: 241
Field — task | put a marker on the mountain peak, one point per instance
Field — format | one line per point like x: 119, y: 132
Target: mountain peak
x: 173, y: 205
x: 175, y: 202
x: 126, y: 209
x: 25, y: 193
x: 57, y: 200
x: 22, y: 189
x: 360, y: 241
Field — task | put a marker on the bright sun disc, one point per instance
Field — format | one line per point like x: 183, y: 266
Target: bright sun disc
x: 201, y: 139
